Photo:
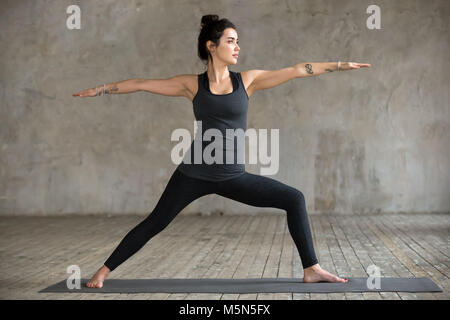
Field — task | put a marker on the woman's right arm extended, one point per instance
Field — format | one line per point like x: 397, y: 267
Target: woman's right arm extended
x: 175, y: 86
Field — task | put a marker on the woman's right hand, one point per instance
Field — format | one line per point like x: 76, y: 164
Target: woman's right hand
x: 86, y: 93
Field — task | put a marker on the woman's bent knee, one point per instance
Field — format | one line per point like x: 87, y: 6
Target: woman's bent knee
x: 298, y: 196
x: 296, y: 200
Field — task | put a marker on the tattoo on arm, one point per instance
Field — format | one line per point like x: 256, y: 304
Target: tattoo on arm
x: 111, y: 90
x: 328, y: 70
x: 309, y: 68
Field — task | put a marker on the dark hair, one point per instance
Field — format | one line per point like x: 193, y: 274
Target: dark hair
x: 211, y: 29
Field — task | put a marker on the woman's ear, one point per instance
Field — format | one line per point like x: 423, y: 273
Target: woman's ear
x: 210, y: 45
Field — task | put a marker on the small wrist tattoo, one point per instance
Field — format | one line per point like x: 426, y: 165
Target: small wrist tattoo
x: 309, y: 68
x: 111, y: 90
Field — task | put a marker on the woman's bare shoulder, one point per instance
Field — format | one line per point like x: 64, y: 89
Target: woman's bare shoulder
x: 191, y: 84
x: 247, y: 78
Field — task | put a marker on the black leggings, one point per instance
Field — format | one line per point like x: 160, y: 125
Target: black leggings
x: 251, y: 189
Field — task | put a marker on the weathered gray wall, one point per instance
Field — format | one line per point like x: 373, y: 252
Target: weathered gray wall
x: 369, y: 140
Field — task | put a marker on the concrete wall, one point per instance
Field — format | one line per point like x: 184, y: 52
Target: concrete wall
x: 361, y: 141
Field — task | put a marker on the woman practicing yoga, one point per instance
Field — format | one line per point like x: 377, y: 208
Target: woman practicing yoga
x: 220, y: 99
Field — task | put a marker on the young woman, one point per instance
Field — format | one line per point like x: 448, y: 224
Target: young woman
x: 220, y: 98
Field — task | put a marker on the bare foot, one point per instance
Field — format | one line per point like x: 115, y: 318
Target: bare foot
x: 316, y: 274
x: 98, y: 278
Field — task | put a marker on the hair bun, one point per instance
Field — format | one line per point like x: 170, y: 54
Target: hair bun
x: 209, y: 18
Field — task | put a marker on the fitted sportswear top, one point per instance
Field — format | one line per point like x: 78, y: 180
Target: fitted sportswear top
x: 221, y: 112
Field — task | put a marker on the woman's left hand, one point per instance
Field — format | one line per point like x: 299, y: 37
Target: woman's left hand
x: 353, y: 65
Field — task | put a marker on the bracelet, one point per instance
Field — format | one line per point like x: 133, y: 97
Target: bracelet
x: 96, y: 91
x: 339, y: 65
x: 103, y: 90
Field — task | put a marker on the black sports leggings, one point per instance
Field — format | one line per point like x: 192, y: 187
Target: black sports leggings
x: 251, y: 189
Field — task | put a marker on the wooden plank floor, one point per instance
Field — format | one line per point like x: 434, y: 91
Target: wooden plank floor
x: 36, y: 251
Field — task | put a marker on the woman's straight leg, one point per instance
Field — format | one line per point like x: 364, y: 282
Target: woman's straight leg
x: 261, y: 191
x: 180, y: 191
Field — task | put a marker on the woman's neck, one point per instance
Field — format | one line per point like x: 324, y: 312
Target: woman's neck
x: 217, y: 74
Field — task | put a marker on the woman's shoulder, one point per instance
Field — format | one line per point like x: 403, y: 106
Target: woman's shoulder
x: 191, y: 85
x: 246, y: 80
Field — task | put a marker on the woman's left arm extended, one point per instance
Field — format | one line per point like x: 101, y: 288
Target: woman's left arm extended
x: 266, y: 79
x: 308, y: 69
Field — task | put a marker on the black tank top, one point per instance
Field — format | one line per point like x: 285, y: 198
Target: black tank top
x: 218, y: 111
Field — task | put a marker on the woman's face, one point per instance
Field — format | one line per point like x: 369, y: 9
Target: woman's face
x: 228, y: 47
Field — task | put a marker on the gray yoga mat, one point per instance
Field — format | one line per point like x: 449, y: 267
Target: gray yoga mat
x: 258, y: 285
